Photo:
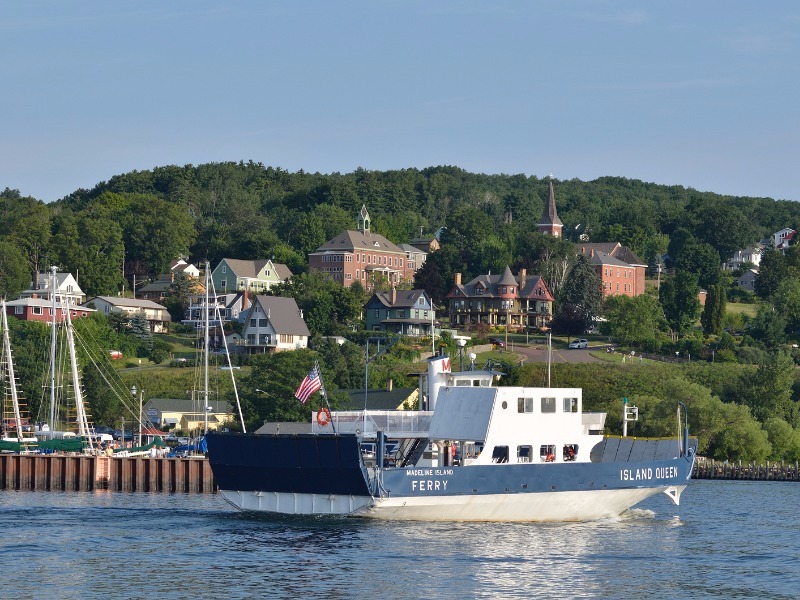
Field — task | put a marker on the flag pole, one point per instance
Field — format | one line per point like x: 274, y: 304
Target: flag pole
x: 323, y: 391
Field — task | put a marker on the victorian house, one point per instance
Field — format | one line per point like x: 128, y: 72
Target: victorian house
x: 407, y: 312
x: 521, y: 302
x: 363, y: 256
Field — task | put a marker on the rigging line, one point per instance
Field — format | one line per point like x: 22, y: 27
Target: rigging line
x: 123, y: 398
x: 218, y: 318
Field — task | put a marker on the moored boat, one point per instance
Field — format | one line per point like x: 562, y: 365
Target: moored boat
x: 479, y: 453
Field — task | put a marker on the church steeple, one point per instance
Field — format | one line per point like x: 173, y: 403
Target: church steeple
x: 363, y: 219
x: 550, y: 224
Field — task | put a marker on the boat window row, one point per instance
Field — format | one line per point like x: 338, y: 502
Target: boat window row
x: 547, y: 405
x: 547, y: 453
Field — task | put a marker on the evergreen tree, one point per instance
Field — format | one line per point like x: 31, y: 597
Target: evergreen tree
x: 714, y: 310
x: 679, y: 298
x: 139, y: 328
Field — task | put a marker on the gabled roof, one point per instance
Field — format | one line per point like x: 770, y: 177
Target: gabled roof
x: 614, y: 249
x: 490, y: 282
x: 130, y: 302
x: 378, y: 399
x: 601, y: 258
x: 353, y: 240
x: 251, y: 268
x: 186, y: 405
x: 44, y: 303
x: 404, y: 298
x: 284, y: 314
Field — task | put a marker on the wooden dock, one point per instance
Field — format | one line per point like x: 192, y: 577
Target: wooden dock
x: 86, y: 473
x: 705, y: 468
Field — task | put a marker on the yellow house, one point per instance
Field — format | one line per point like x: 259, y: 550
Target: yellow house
x: 187, y: 414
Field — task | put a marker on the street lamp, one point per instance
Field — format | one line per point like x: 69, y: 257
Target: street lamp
x: 461, y: 343
x: 472, y: 357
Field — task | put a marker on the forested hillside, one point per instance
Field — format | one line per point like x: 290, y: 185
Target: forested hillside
x: 143, y: 219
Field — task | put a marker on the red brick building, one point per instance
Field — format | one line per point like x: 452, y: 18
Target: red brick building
x: 362, y: 256
x: 39, y: 309
x: 621, y: 271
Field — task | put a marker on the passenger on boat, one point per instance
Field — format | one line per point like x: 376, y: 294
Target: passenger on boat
x: 550, y: 458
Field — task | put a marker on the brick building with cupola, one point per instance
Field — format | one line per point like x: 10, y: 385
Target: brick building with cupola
x: 363, y: 256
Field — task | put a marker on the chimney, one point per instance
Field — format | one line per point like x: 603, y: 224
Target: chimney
x: 245, y: 300
x: 389, y: 385
x: 591, y: 253
x: 393, y: 296
x: 523, y: 275
x: 458, y: 278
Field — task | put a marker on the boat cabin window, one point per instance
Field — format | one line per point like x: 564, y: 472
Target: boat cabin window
x: 524, y: 454
x: 525, y: 405
x: 570, y: 405
x: 570, y: 452
x: 548, y: 405
x: 500, y: 454
x: 547, y: 453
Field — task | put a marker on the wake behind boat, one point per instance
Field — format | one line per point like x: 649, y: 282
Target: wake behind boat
x: 481, y: 453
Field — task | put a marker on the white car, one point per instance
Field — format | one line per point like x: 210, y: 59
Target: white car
x: 579, y: 344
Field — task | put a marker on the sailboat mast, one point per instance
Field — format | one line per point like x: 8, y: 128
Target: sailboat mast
x: 52, y: 421
x: 10, y: 371
x: 205, y: 353
x: 83, y: 422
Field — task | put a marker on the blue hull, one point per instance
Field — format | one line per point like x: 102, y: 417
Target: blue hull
x: 332, y: 465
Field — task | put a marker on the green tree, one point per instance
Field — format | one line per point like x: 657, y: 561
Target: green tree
x: 634, y: 321
x: 768, y: 326
x: 179, y: 293
x: 702, y: 260
x: 771, y: 272
x: 14, y: 273
x: 787, y: 302
x: 714, y: 310
x: 679, y: 298
x: 768, y: 391
x: 139, y: 329
x: 581, y: 299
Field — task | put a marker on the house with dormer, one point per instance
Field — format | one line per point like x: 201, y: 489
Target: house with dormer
x: 274, y: 324
x: 523, y: 302
x: 406, y: 312
x: 253, y: 276
x: 363, y: 256
x: 66, y: 287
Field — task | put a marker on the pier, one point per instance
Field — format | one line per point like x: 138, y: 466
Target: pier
x: 705, y: 468
x: 35, y: 472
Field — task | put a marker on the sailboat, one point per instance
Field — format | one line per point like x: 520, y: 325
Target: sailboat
x: 212, y: 318
x: 15, y: 421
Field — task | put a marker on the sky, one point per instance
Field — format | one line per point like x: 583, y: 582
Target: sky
x: 699, y: 94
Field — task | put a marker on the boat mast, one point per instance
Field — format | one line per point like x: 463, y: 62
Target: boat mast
x: 83, y: 422
x: 53, y: 325
x: 205, y: 355
x: 10, y: 371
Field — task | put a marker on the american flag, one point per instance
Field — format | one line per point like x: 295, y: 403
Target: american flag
x: 310, y: 384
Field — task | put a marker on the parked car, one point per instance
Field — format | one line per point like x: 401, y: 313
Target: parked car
x: 497, y: 342
x: 579, y: 343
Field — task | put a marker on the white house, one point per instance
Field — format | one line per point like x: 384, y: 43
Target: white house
x: 66, y: 287
x: 156, y: 315
x: 740, y: 258
x: 781, y: 239
x: 273, y: 324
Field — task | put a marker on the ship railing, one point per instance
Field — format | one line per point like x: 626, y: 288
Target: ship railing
x: 394, y: 423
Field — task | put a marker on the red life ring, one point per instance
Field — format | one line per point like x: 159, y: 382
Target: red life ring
x: 323, y: 416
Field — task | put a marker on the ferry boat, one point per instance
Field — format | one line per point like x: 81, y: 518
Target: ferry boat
x: 480, y: 452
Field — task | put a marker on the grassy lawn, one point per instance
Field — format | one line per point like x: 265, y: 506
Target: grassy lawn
x: 749, y: 310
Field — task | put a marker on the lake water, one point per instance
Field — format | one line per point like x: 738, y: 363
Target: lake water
x: 726, y: 540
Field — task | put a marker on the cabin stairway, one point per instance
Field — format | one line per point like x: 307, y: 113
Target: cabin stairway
x: 410, y: 451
